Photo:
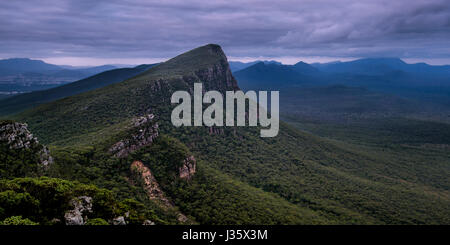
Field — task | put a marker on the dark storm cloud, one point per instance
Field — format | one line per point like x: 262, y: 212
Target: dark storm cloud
x: 141, y: 29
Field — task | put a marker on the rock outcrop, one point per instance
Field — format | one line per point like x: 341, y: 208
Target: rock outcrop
x: 142, y: 133
x: 218, y: 77
x: 148, y: 222
x: 81, y: 207
x: 187, y: 170
x: 154, y: 191
x: 119, y: 221
x: 17, y: 136
x: 149, y: 183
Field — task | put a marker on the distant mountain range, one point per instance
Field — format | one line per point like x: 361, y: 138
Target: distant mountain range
x: 360, y: 88
x: 18, y: 75
x: 16, y: 66
x: 385, y: 74
x: 366, y: 66
x: 24, y: 101
x: 237, y: 65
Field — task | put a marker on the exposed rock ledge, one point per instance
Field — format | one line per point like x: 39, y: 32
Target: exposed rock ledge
x: 152, y: 188
x: 144, y: 132
x: 149, y: 183
x: 81, y: 207
x: 17, y: 136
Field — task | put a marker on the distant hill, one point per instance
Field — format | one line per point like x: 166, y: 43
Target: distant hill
x: 381, y: 66
x: 83, y: 72
x: 304, y: 68
x: 274, y: 76
x: 24, y: 101
x: 369, y: 66
x: 15, y: 66
x: 310, y: 93
x: 22, y: 65
x: 20, y: 75
x: 237, y: 65
x: 386, y: 75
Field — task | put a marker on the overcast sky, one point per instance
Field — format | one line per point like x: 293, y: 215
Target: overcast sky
x: 88, y: 32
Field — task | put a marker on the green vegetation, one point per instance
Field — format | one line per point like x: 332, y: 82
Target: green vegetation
x: 97, y: 221
x: 24, y: 101
x: 17, y: 220
x: 241, y: 178
x: 213, y: 197
x: 19, y: 162
x: 45, y: 201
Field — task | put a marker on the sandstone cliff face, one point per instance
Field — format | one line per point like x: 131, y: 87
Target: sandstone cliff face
x: 154, y: 191
x: 217, y: 77
x: 149, y: 183
x: 17, y: 136
x: 145, y: 131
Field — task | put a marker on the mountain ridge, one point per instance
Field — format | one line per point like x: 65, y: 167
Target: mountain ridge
x: 21, y: 102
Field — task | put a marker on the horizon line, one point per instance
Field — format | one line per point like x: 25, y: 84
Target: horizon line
x: 285, y: 60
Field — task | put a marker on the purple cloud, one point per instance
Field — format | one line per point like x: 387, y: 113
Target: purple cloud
x: 159, y: 29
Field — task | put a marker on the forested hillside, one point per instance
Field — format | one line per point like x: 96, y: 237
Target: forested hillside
x: 120, y: 138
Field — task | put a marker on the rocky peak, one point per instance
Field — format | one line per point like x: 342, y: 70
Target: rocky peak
x: 207, y: 64
x: 217, y: 77
x: 217, y: 74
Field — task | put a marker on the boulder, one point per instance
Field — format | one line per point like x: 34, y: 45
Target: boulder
x: 81, y: 207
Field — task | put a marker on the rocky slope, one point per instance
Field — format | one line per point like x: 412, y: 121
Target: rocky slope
x: 16, y: 136
x: 144, y: 175
x: 142, y: 133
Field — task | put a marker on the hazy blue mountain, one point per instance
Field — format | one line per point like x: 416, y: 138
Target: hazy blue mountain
x: 237, y: 65
x: 363, y: 88
x: 24, y: 101
x: 82, y: 72
x: 386, y: 75
x: 22, y: 75
x: 305, y: 68
x: 21, y: 65
x: 380, y: 66
x: 274, y: 75
x: 15, y: 66
x: 97, y: 69
x: 320, y: 65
